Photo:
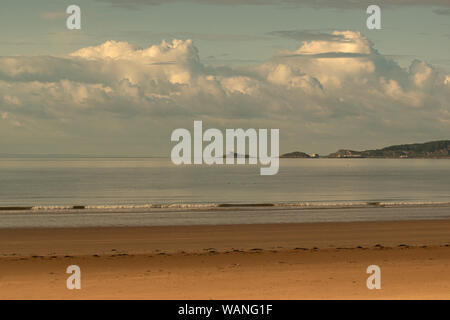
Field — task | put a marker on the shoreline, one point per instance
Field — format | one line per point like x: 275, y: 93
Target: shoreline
x: 236, y: 205
x: 197, y: 238
x: 279, y: 261
x: 218, y: 216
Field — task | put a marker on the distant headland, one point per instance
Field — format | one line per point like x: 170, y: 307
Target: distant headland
x: 428, y: 150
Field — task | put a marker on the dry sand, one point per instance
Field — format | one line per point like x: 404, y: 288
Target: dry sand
x: 284, y: 261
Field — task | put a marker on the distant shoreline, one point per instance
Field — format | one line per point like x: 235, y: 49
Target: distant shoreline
x: 427, y: 150
x: 434, y: 149
x: 379, y: 158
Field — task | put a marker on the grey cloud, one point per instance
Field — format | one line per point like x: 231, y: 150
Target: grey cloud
x: 307, y: 35
x: 210, y: 36
x: 444, y: 12
x: 162, y: 63
x: 330, y: 55
x: 343, y: 4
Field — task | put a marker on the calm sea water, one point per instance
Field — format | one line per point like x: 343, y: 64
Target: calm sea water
x: 119, y: 181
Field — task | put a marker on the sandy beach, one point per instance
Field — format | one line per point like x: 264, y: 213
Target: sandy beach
x: 274, y: 261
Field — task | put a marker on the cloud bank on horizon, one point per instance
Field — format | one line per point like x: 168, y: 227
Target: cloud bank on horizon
x: 333, y: 91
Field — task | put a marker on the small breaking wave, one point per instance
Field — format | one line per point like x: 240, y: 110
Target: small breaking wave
x: 224, y: 206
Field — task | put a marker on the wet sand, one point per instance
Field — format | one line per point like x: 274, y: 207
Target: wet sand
x: 278, y: 261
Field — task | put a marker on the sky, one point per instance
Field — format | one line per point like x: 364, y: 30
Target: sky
x: 139, y: 69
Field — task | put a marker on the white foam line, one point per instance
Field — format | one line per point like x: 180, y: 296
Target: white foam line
x: 234, y: 205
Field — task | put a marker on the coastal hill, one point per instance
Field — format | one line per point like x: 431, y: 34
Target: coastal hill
x: 295, y: 154
x: 434, y: 149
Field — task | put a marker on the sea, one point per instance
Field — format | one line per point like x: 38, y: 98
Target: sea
x: 141, y: 181
x: 141, y: 184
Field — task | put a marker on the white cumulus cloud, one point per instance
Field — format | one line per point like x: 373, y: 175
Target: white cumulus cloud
x: 331, y: 92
